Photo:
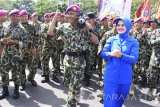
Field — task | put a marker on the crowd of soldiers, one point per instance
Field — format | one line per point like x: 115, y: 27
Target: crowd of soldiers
x: 25, y: 41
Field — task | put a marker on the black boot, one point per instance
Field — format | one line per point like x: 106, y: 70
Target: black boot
x: 23, y: 87
x: 55, y: 79
x: 87, y: 81
x: 33, y: 82
x: 46, y: 79
x: 16, y: 92
x: 4, y: 93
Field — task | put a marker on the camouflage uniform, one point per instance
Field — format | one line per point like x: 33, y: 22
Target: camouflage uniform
x: 139, y: 69
x: 37, y: 26
x: 103, y: 31
x: 50, y: 49
x: 12, y: 55
x: 154, y: 65
x: 91, y: 60
x: 75, y: 43
x: 28, y: 58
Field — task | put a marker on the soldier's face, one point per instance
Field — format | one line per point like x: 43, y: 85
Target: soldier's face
x: 23, y: 18
x: 3, y: 18
x: 47, y: 19
x: 91, y: 21
x: 35, y: 18
x: 153, y: 25
x: 72, y: 17
x: 121, y: 28
x: 138, y: 25
x: 14, y: 18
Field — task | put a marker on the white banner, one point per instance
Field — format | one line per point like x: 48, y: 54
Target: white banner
x: 116, y: 8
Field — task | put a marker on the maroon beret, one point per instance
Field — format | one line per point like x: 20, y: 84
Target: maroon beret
x: 47, y: 14
x: 3, y: 12
x: 52, y: 14
x: 15, y: 11
x: 23, y: 12
x: 73, y: 8
x: 138, y: 20
x: 34, y: 14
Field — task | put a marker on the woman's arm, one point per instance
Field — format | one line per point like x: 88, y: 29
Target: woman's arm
x: 133, y: 57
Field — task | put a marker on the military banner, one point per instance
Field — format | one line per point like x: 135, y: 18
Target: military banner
x: 116, y: 8
x: 144, y: 10
x: 158, y: 11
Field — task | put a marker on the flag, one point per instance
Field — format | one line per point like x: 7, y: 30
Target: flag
x: 100, y: 2
x: 116, y: 8
x: 157, y: 14
x: 143, y: 10
x: 70, y: 2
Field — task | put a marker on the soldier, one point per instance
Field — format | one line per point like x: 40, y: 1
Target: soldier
x: 139, y: 69
x: 153, y: 70
x: 92, y: 51
x: 75, y: 44
x: 50, y: 49
x: 12, y: 54
x: 37, y: 25
x: 3, y: 18
x: 29, y: 51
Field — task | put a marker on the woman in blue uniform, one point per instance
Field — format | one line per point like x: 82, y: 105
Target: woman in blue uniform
x: 121, y: 51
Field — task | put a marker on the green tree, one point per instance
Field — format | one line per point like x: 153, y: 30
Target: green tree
x: 43, y: 6
x: 6, y: 4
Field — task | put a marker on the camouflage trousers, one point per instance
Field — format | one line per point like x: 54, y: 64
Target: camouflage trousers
x: 91, y: 60
x: 153, y: 76
x: 139, y: 73
x: 55, y: 55
x: 32, y: 63
x: 73, y: 80
x: 10, y: 62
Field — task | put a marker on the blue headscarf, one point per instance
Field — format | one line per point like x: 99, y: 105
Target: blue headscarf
x: 128, y: 25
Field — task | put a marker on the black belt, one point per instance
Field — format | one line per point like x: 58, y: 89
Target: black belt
x: 75, y: 53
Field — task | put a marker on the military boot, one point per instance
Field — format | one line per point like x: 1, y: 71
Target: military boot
x: 16, y: 92
x: 46, y: 79
x: 4, y: 93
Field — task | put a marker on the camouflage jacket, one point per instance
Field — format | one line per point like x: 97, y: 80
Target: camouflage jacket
x: 144, y: 52
x: 31, y: 37
x: 49, y: 41
x: 1, y: 31
x: 104, y: 39
x: 155, y: 43
x: 17, y: 33
x: 37, y: 26
x: 75, y: 40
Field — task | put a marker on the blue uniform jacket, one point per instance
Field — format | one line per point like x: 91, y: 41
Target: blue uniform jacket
x: 119, y: 70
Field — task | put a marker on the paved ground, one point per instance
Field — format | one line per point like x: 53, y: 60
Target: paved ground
x: 55, y: 95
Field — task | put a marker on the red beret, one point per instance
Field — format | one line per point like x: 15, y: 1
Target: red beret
x: 103, y: 19
x: 73, y: 8
x: 23, y: 12
x: 52, y: 14
x: 34, y: 14
x: 3, y: 12
x: 14, y: 12
x: 47, y: 14
x: 138, y: 20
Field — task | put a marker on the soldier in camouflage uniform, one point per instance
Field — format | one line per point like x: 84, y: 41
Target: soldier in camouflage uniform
x: 50, y: 49
x: 3, y: 18
x: 154, y: 67
x: 75, y: 44
x: 92, y: 51
x: 139, y: 69
x: 37, y: 25
x: 30, y: 56
x: 12, y: 54
x: 104, y: 29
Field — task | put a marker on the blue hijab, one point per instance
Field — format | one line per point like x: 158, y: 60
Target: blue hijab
x: 128, y: 25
